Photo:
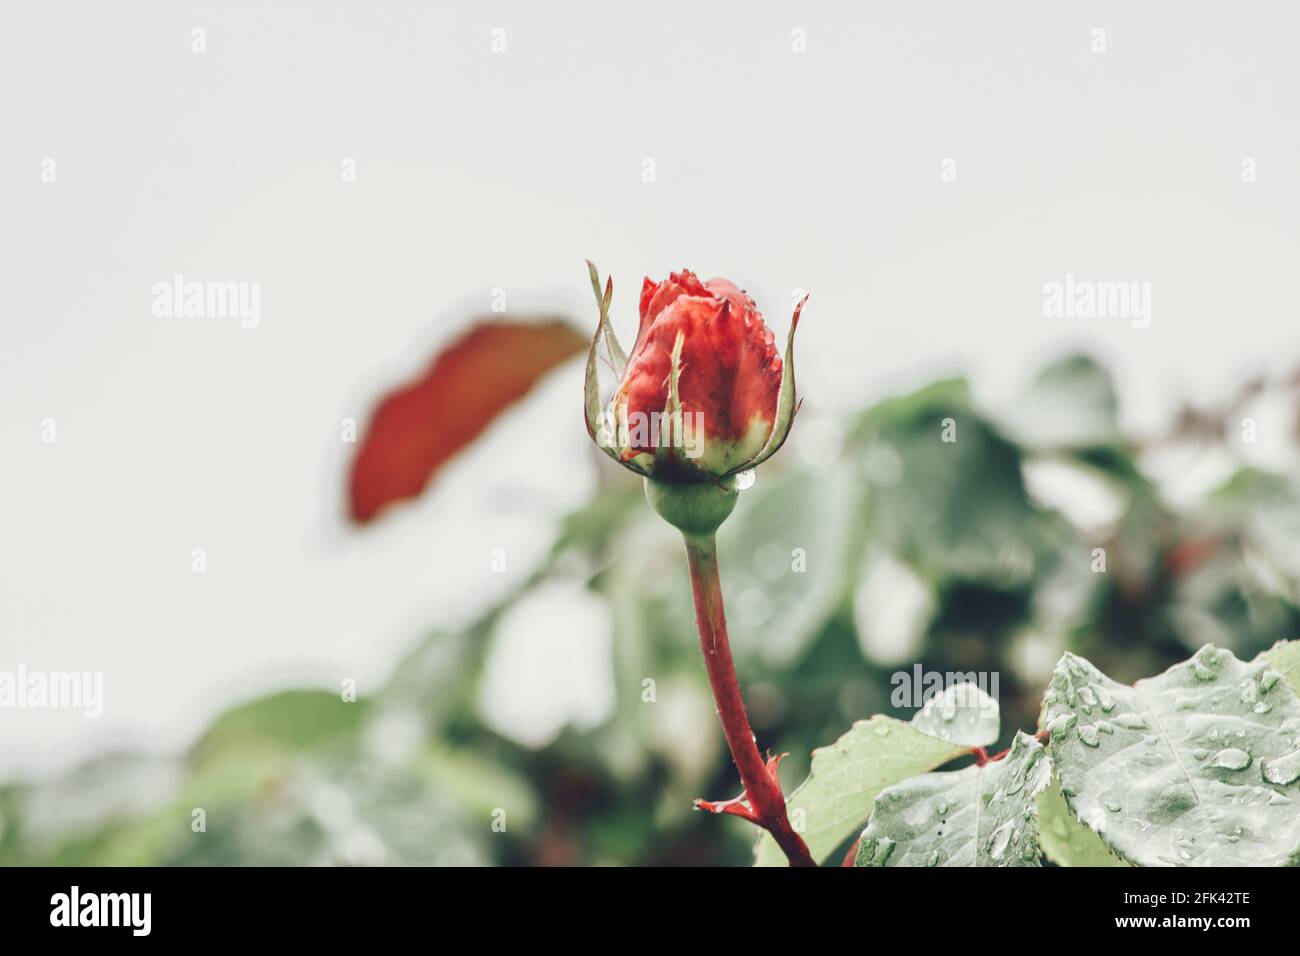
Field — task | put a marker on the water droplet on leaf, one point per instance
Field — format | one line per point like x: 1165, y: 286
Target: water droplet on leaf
x: 1283, y: 770
x: 1231, y: 759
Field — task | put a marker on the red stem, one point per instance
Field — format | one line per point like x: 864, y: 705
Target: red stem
x: 982, y: 756
x: 761, y: 789
x: 852, y: 854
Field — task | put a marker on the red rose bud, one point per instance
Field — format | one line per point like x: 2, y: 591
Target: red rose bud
x: 705, y: 393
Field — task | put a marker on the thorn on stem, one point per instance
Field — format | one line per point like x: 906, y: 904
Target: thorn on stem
x: 736, y: 806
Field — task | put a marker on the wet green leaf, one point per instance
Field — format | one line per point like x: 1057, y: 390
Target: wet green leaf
x: 963, y: 714
x: 1196, y: 767
x: 978, y: 816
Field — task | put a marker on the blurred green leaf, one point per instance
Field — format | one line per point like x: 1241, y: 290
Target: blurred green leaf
x: 784, y: 555
x: 944, y: 490
x: 1285, y: 658
x: 298, y: 719
x: 1071, y: 405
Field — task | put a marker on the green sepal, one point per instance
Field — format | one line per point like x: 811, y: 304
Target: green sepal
x: 618, y: 359
x: 696, y: 508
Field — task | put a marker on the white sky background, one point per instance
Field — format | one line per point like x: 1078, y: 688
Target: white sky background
x: 780, y: 170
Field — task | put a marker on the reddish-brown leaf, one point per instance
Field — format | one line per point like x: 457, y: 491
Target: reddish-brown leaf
x: 419, y: 426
